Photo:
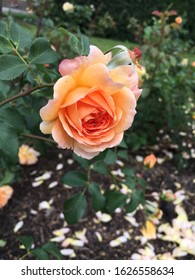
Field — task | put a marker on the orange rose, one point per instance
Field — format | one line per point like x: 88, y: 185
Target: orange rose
x: 5, y: 194
x: 94, y: 103
x: 178, y: 20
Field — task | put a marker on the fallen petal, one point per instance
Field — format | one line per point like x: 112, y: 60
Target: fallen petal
x: 18, y: 226
x: 67, y: 252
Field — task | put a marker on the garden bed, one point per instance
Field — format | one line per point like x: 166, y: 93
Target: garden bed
x: 24, y: 211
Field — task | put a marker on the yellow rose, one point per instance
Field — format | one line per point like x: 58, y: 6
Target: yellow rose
x: 68, y: 7
x: 27, y: 155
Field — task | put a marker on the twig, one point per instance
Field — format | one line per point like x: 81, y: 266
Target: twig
x: 39, y: 138
x: 21, y: 94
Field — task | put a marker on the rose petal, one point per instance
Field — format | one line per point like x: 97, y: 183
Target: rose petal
x: 61, y: 89
x: 46, y: 127
x: 18, y: 226
x: 96, y: 56
x: 70, y: 66
x: 98, y: 75
x: 125, y: 100
x: 67, y: 252
x: 61, y: 137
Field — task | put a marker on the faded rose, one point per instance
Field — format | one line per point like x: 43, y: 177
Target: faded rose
x: 94, y: 103
x: 27, y: 155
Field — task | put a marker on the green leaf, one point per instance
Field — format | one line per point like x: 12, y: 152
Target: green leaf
x: 73, y: 40
x: 142, y: 183
x: 75, y: 179
x: 146, y: 91
x: 5, y: 45
x: 74, y: 208
x: 41, y: 52
x: 115, y: 199
x: 3, y: 27
x: 136, y: 198
x: 4, y: 89
x: 173, y: 61
x: 110, y: 157
x: 53, y: 250
x: 83, y: 162
x: 27, y: 241
x: 98, y: 199
x: 123, y: 154
x: 123, y: 144
x: 100, y: 167
x: 40, y: 254
x: 11, y: 67
x: 14, y: 34
x: 2, y: 243
x: 19, y: 36
x: 12, y: 118
x: 6, y: 178
x: 83, y: 45
x: 79, y: 45
x: 9, y: 142
x: 128, y: 171
x: 130, y: 182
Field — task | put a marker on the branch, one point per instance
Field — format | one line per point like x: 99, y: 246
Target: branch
x: 39, y: 138
x: 21, y: 94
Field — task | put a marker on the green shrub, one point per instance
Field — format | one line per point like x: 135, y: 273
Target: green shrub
x: 168, y: 89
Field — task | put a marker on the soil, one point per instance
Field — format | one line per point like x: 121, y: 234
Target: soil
x: 40, y: 224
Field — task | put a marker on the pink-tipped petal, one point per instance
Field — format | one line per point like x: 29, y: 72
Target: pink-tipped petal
x: 69, y: 66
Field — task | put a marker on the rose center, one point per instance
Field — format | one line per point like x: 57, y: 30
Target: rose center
x: 99, y: 119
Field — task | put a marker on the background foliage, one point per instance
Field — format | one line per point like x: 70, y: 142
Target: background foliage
x: 128, y: 17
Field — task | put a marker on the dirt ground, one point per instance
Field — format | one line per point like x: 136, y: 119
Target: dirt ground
x: 37, y: 211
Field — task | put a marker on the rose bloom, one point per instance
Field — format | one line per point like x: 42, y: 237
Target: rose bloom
x: 68, y: 7
x: 5, y: 194
x: 178, y: 20
x: 27, y: 155
x: 94, y: 103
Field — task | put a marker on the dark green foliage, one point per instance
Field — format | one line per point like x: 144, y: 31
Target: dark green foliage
x: 168, y: 89
x: 74, y: 208
x: 98, y: 199
x: 75, y: 179
x: 123, y: 13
